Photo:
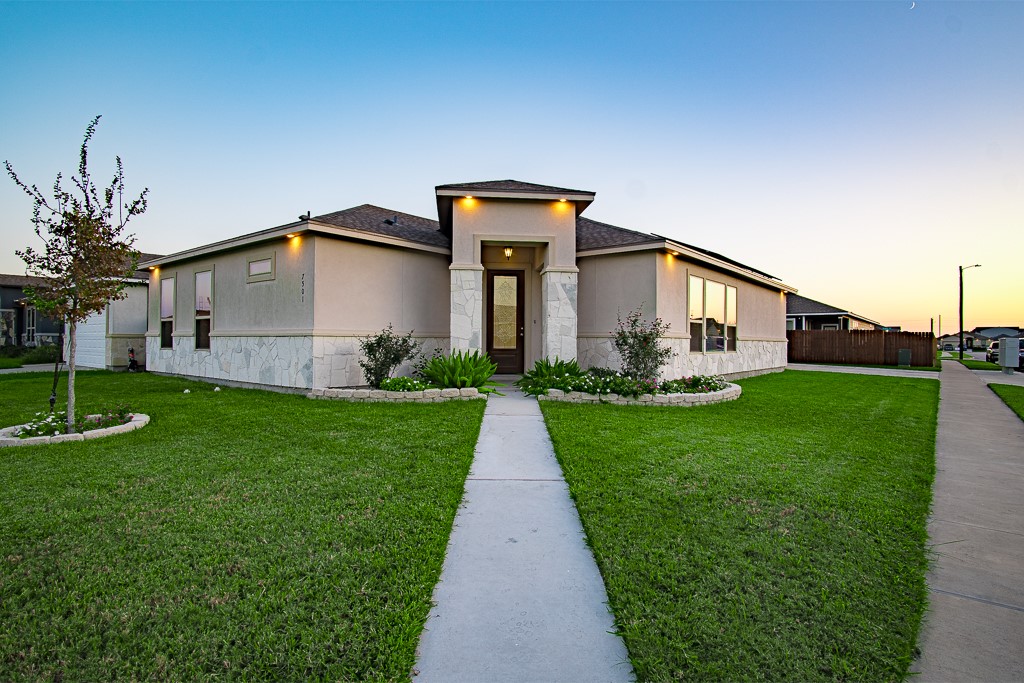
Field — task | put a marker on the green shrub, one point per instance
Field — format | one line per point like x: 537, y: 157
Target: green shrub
x: 459, y: 370
x: 404, y: 384
x: 41, y: 354
x: 384, y: 352
x: 11, y: 351
x: 638, y: 344
x: 567, y: 376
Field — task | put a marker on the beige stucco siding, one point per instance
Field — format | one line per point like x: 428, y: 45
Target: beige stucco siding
x: 361, y: 288
x: 128, y: 315
x: 283, y: 304
x: 615, y: 285
x: 479, y: 220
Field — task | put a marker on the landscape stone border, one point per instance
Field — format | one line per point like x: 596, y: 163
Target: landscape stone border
x: 730, y: 393
x: 381, y: 396
x: 8, y: 439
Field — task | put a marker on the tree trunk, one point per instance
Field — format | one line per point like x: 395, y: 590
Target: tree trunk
x: 72, y: 346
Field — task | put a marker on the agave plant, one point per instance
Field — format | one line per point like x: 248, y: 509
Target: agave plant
x: 459, y: 370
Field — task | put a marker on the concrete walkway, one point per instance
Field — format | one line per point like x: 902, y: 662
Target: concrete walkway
x: 520, y: 597
x: 974, y: 628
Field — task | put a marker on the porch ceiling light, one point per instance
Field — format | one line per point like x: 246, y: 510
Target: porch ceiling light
x: 508, y: 253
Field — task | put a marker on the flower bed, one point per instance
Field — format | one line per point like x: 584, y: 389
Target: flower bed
x: 730, y: 393
x: 380, y: 395
x: 9, y: 435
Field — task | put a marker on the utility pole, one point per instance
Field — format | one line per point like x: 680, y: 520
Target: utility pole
x: 962, y: 269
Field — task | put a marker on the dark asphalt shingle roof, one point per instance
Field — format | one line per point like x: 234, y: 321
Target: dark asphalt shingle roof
x: 509, y: 186
x: 594, y: 235
x: 11, y: 280
x: 369, y: 218
x: 801, y: 305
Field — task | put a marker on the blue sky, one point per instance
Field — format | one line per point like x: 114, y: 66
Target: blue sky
x: 859, y: 151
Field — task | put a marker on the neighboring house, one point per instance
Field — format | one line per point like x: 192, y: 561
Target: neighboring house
x: 102, y: 340
x: 20, y: 323
x: 509, y: 268
x: 807, y: 314
x: 971, y: 340
x: 997, y: 332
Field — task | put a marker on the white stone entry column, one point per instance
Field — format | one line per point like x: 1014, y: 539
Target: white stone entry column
x: 467, y: 314
x: 558, y: 296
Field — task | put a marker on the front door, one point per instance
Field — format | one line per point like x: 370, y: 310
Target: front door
x: 505, y: 332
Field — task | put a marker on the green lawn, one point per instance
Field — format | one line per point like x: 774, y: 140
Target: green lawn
x: 242, y: 534
x: 1012, y: 396
x: 8, y: 363
x: 778, y: 537
x: 972, y: 364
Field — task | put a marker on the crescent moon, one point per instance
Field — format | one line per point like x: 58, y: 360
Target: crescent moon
x: 913, y: 4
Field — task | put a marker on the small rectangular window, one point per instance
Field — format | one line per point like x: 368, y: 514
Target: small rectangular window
x: 260, y: 269
x: 204, y: 308
x: 166, y: 312
x: 696, y: 313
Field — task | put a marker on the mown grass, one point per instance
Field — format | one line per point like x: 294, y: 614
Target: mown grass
x: 242, y: 534
x: 1012, y: 395
x: 778, y: 537
x: 972, y: 364
x: 8, y: 363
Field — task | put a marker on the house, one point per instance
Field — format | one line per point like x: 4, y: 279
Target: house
x: 509, y: 268
x: 971, y: 340
x: 20, y: 323
x: 997, y: 332
x: 103, y: 339
x: 807, y: 314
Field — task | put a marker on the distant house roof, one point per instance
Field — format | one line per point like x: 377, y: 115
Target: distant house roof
x: 31, y: 280
x: 20, y: 280
x: 797, y: 305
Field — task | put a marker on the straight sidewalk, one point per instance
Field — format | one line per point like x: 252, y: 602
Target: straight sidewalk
x: 520, y: 597
x: 974, y: 627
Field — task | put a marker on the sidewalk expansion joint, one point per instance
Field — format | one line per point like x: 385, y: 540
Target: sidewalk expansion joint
x: 975, y: 598
x: 977, y: 526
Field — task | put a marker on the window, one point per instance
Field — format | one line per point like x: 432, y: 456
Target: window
x: 730, y: 318
x: 696, y: 313
x: 790, y: 323
x: 713, y: 316
x: 204, y: 307
x: 166, y: 312
x: 30, y: 326
x: 260, y: 269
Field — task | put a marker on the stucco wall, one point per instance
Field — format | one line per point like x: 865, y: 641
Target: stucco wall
x: 284, y: 303
x: 513, y: 221
x: 360, y: 288
x: 618, y: 283
x: 614, y: 285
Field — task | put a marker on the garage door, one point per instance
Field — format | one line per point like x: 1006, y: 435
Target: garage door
x: 91, y: 335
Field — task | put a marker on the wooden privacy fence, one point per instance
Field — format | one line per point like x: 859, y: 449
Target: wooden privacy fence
x: 860, y: 347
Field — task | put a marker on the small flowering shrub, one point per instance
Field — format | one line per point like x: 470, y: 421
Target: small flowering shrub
x: 52, y: 424
x: 404, y: 384
x: 638, y: 343
x: 383, y: 352
x: 602, y: 381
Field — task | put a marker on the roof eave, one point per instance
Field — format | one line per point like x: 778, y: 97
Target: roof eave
x: 680, y: 250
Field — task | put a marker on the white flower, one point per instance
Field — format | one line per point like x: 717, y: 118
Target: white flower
x: 187, y: 391
x: 216, y: 388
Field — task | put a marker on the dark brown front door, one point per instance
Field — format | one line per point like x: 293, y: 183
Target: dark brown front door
x: 505, y: 320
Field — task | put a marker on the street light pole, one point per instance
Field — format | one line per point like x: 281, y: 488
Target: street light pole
x: 962, y: 269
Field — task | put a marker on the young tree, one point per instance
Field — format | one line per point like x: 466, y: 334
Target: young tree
x: 85, y: 259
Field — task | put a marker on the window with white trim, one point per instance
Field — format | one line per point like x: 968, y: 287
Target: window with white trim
x: 204, y: 308
x: 713, y: 316
x: 166, y: 312
x: 260, y: 269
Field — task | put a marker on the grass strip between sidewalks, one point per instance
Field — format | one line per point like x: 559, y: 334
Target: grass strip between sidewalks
x: 1012, y: 395
x: 242, y: 534
x: 781, y: 536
